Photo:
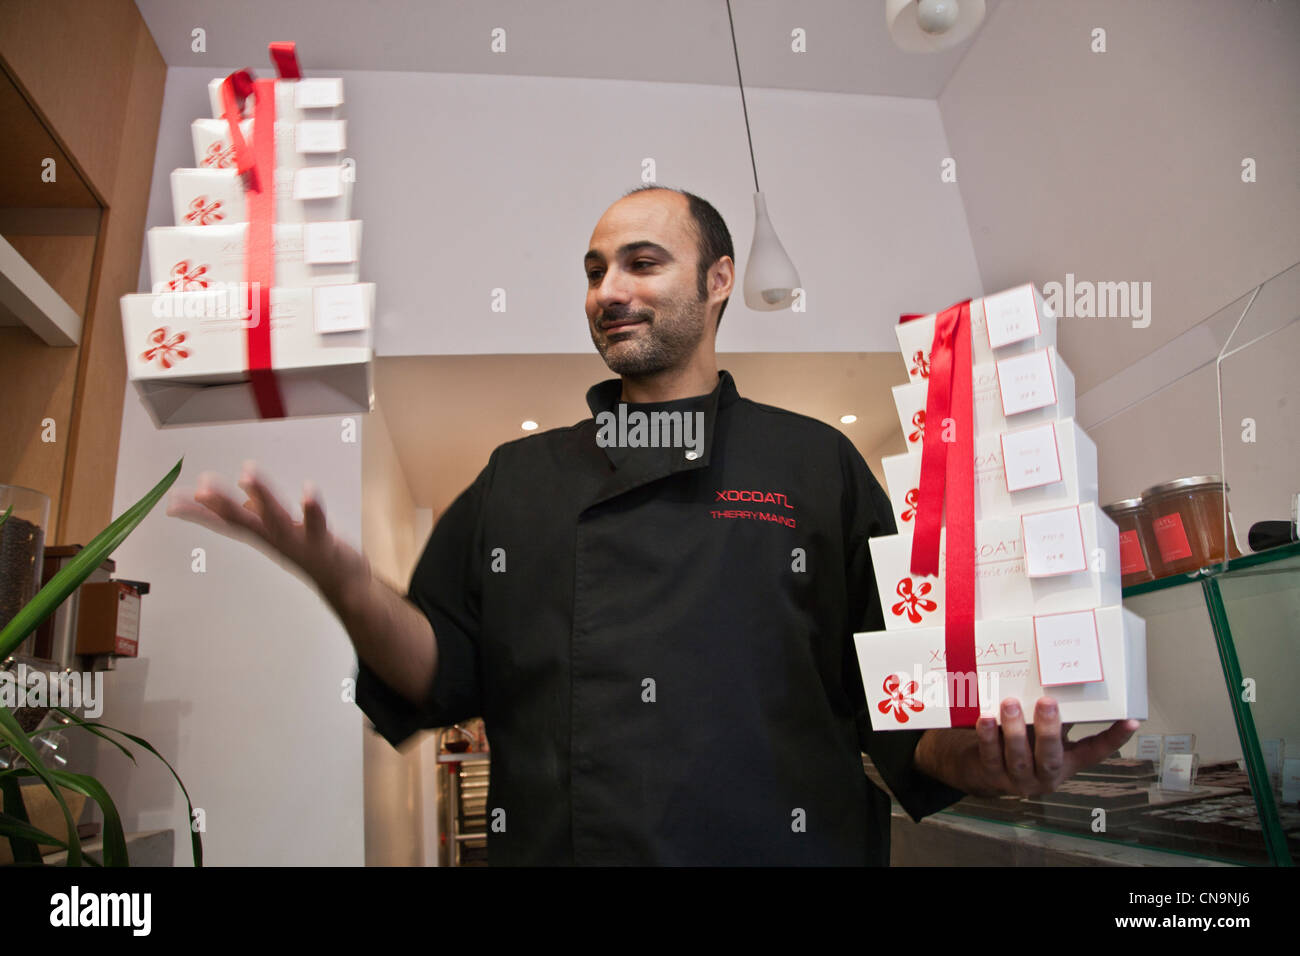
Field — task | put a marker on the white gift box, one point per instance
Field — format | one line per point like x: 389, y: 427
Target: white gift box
x: 1022, y: 567
x: 907, y: 687
x: 297, y: 144
x: 1006, y: 323
x: 186, y: 353
x: 311, y: 98
x: 1007, y: 394
x: 202, y: 197
x: 193, y: 258
x: 1050, y: 465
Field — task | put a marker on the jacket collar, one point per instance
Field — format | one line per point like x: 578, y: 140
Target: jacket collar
x: 647, y: 463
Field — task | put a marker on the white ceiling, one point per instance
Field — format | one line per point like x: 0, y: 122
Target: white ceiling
x: 669, y: 41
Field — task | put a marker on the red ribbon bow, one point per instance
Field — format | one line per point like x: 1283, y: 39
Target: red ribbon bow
x: 951, y: 476
x: 256, y: 164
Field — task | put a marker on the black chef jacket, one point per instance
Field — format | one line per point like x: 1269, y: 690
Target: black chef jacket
x: 660, y: 645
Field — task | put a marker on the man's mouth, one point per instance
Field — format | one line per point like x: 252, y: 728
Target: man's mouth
x: 622, y: 324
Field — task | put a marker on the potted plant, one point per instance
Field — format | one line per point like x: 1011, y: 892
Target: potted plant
x: 24, y: 838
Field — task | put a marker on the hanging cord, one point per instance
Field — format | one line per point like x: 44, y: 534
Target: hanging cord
x: 1218, y: 382
x: 736, y: 51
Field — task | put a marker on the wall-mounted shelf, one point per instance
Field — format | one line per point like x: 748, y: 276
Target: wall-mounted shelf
x: 27, y: 299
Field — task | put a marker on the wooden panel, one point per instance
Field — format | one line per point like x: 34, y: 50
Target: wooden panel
x: 39, y: 382
x: 30, y: 178
x: 73, y: 60
x: 86, y: 507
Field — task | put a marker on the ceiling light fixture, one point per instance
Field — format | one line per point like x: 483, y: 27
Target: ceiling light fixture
x: 770, y: 276
x: 924, y: 26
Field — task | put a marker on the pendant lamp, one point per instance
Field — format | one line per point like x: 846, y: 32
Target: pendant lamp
x: 770, y: 276
x: 923, y: 26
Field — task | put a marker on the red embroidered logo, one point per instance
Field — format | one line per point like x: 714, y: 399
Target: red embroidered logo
x: 900, y: 699
x: 913, y: 603
x: 918, y: 420
x: 219, y: 156
x: 910, y: 501
x: 204, y: 212
x: 166, y: 350
x: 187, y: 276
x: 755, y: 497
x: 919, y: 365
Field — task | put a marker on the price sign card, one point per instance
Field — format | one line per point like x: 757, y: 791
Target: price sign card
x: 1030, y: 457
x: 1025, y: 382
x: 1068, y: 649
x: 1053, y: 542
x: 1178, y: 772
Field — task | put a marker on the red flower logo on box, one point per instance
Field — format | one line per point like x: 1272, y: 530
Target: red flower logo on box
x: 918, y: 421
x: 919, y: 365
x: 219, y: 156
x: 187, y: 276
x: 166, y: 350
x: 900, y: 699
x: 204, y: 212
x: 910, y: 501
x: 913, y: 603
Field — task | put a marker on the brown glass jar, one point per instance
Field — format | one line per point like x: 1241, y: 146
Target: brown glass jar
x: 1134, y: 549
x: 1184, y: 524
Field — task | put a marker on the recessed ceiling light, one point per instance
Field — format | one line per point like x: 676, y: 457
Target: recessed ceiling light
x: 528, y: 425
x: 848, y: 419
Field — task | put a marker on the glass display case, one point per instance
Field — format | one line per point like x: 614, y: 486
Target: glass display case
x: 1223, y: 656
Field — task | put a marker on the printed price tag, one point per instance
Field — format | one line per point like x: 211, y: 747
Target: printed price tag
x: 319, y: 136
x: 339, y: 308
x: 1150, y: 747
x: 1053, y: 542
x: 1025, y: 382
x: 1178, y: 772
x: 1180, y: 743
x: 328, y: 242
x: 318, y: 182
x: 1030, y: 457
x: 1011, y: 316
x: 318, y: 93
x: 1068, y: 649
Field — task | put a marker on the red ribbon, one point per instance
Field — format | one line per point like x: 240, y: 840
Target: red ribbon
x: 256, y: 165
x: 950, y: 479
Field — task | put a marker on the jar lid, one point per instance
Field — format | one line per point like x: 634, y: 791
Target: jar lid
x: 1123, y: 504
x: 1185, y: 484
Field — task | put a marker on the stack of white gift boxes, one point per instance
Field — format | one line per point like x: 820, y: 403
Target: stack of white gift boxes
x: 186, y: 342
x: 1048, y: 618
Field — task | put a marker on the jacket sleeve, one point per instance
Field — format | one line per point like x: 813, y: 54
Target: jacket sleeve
x: 446, y: 587
x: 868, y: 514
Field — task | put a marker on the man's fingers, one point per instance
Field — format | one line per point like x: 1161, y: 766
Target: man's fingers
x: 1049, y: 752
x: 274, y: 517
x: 990, y: 750
x: 1098, y: 747
x: 1015, y: 747
x: 313, y: 514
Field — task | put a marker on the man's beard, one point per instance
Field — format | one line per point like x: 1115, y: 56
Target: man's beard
x: 665, y: 342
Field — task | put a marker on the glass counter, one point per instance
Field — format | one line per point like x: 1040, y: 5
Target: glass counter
x: 1223, y: 664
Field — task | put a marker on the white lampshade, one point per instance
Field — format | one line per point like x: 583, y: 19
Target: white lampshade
x: 770, y: 276
x: 905, y: 18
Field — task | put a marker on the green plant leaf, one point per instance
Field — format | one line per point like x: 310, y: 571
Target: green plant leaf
x: 14, y: 822
x: 71, y: 577
x: 114, y: 839
x: 196, y: 841
x: 13, y: 735
x: 5, y: 516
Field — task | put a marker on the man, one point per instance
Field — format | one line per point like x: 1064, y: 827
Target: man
x: 655, y: 621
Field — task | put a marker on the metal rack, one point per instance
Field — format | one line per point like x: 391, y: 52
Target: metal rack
x: 463, y: 803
